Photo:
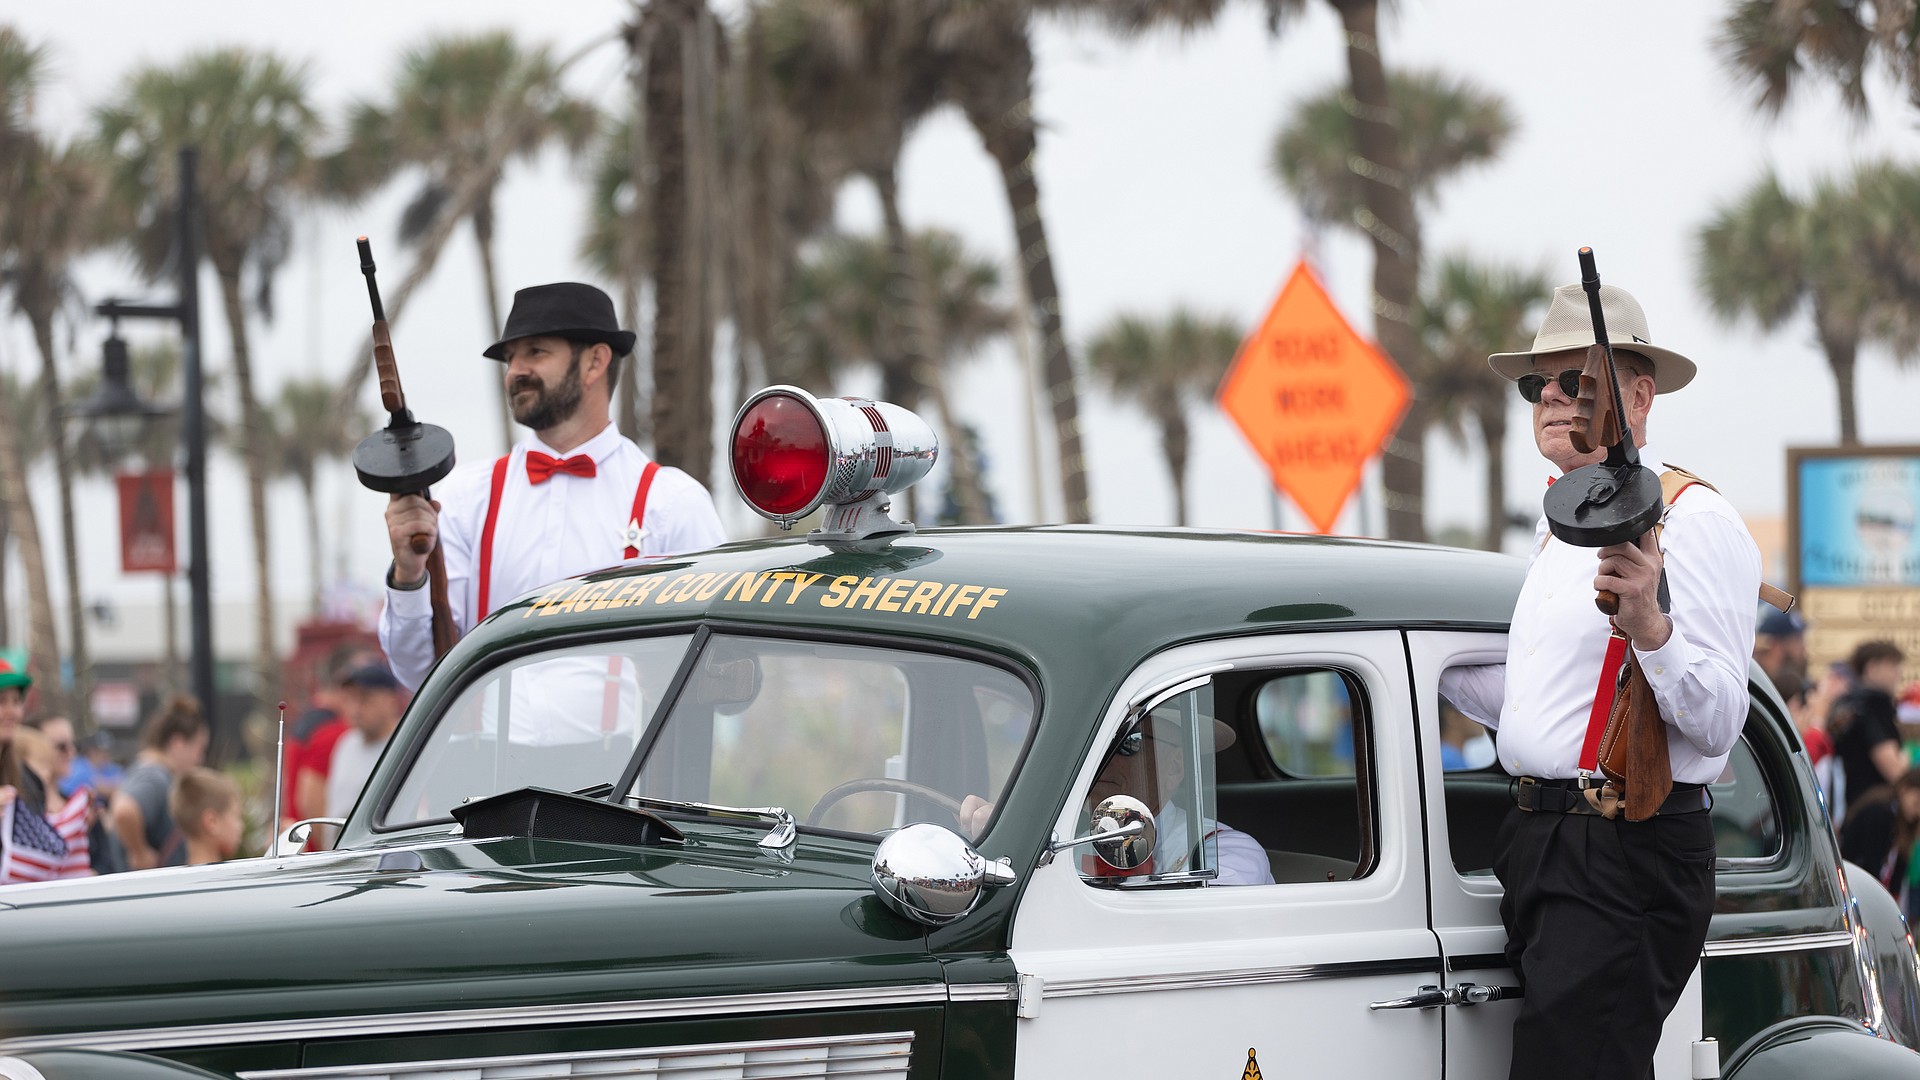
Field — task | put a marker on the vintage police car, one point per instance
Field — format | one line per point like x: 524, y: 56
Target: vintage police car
x: 954, y: 803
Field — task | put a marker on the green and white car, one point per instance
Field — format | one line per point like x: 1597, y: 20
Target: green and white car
x: 703, y: 817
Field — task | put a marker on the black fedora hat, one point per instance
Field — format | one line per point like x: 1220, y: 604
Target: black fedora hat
x: 565, y: 309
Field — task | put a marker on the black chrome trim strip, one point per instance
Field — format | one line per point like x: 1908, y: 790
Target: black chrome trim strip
x: 337, y: 1027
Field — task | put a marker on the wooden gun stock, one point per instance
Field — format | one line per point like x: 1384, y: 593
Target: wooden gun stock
x: 1596, y: 426
x: 391, y: 397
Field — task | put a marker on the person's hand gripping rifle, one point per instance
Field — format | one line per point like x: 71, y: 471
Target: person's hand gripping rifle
x: 404, y: 459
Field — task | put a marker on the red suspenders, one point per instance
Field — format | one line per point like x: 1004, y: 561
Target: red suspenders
x: 493, y: 517
x: 486, y: 536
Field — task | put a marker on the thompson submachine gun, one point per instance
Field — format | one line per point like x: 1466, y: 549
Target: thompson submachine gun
x: 1613, y: 501
x: 406, y: 456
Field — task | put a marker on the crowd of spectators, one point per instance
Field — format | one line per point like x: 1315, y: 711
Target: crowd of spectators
x: 68, y: 808
x: 1862, y: 734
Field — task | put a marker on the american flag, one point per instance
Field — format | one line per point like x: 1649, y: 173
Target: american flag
x: 70, y: 821
x: 34, y: 851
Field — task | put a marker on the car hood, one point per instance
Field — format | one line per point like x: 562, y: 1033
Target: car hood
x: 476, y: 924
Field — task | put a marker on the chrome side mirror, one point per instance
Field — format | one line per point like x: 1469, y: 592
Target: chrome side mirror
x: 1123, y: 833
x: 928, y: 874
x: 290, y: 841
x: 1115, y: 840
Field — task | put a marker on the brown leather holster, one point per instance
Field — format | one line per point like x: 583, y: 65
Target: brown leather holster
x: 1633, y: 746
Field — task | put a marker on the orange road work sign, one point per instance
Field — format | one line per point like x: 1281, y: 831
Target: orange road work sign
x: 1314, y: 398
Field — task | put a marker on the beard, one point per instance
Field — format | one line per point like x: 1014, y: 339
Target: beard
x: 546, y: 408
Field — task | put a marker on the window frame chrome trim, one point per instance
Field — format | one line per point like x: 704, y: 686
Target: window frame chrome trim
x: 404, y: 1068
x: 568, y: 1015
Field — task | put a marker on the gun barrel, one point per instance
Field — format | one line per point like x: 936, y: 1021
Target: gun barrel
x: 1590, y: 281
x: 1624, y: 450
x: 373, y: 285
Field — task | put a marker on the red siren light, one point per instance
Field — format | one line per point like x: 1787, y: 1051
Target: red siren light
x: 780, y: 455
x: 794, y: 453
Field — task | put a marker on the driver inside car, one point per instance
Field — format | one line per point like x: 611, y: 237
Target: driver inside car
x: 1149, y: 763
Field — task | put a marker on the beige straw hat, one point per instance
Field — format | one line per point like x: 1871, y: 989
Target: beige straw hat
x: 1569, y: 325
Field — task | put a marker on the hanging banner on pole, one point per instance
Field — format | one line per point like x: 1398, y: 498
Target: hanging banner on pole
x: 146, y: 522
x: 1314, y: 398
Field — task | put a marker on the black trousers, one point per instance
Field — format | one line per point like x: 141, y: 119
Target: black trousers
x: 1605, y: 920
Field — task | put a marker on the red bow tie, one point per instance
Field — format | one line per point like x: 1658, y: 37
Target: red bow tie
x: 541, y: 466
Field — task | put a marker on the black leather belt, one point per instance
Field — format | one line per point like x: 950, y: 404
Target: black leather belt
x: 1537, y: 796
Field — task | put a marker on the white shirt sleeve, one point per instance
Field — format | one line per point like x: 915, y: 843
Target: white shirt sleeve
x: 406, y: 619
x: 1242, y: 860
x: 1699, y: 676
x: 1479, y: 690
x: 683, y: 519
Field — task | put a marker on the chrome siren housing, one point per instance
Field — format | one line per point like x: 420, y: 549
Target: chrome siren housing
x: 849, y: 455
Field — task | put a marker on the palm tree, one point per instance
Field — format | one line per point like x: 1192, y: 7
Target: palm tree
x: 1467, y: 310
x: 1773, y: 45
x: 54, y: 197
x: 43, y: 645
x: 454, y: 104
x: 304, y: 431
x: 838, y: 315
x: 249, y: 115
x: 1331, y: 156
x: 616, y: 241
x: 25, y: 421
x: 22, y: 66
x: 1165, y: 367
x: 991, y: 78
x: 861, y: 75
x: 676, y: 49
x: 1768, y: 255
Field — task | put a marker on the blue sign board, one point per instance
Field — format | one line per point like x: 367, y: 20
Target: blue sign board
x: 1856, y: 516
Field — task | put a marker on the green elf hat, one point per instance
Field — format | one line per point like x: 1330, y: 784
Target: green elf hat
x: 13, y: 669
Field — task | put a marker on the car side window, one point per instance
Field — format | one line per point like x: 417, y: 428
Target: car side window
x: 1746, y: 817
x: 1302, y: 784
x: 1161, y: 763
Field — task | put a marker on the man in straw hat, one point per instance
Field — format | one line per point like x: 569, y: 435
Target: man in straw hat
x: 576, y: 496
x: 1605, y: 917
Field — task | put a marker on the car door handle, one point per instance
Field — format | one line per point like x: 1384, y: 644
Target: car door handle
x: 1433, y: 997
x: 1428, y: 997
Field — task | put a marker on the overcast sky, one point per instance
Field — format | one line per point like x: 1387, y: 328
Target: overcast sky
x: 1154, y: 180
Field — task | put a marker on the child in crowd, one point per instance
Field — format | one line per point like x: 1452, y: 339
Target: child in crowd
x: 40, y: 857
x: 206, y: 809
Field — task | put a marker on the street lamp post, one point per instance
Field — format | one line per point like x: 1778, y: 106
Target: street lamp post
x: 186, y: 311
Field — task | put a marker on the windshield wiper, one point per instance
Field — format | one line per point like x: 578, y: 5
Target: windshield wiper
x: 779, y: 840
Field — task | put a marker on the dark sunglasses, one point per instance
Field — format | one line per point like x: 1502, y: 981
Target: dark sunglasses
x: 1533, y: 384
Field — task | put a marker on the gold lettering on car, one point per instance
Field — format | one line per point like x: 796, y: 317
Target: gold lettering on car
x: 894, y: 596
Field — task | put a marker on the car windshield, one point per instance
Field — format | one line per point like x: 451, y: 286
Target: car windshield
x: 856, y: 738
x: 566, y: 719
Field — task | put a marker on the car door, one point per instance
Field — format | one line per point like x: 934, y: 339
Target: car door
x: 1465, y: 806
x: 1180, y: 975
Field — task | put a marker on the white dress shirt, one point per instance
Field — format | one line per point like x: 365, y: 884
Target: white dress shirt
x: 354, y: 756
x: 1242, y: 860
x: 1540, y: 699
x: 545, y: 532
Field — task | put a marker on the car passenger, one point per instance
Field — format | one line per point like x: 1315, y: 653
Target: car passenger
x: 1150, y: 764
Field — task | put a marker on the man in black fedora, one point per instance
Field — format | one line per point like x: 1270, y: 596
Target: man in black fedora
x: 574, y: 497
